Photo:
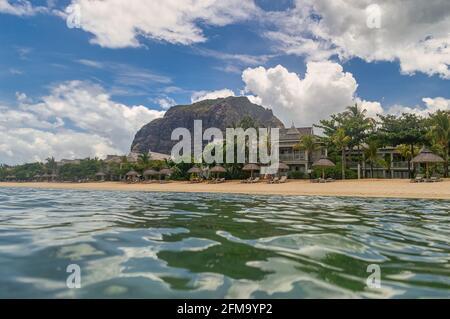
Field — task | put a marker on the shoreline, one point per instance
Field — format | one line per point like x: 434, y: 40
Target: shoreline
x: 373, y: 188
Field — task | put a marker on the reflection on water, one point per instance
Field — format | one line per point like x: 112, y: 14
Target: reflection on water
x: 173, y: 245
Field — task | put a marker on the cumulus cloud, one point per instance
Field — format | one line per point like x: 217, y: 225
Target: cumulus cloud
x: 166, y: 102
x: 118, y: 23
x: 19, y: 8
x: 431, y: 105
x: 416, y: 33
x: 324, y: 90
x: 211, y: 95
x: 77, y: 119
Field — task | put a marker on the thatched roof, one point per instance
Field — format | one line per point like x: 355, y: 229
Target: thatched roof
x: 426, y: 156
x: 165, y: 171
x: 283, y: 167
x: 150, y: 172
x: 251, y: 167
x: 100, y: 174
x: 195, y: 170
x: 45, y: 175
x: 218, y: 169
x: 132, y: 173
x: 37, y: 176
x: 323, y: 162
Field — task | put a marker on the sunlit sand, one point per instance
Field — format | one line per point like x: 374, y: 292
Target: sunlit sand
x: 397, y: 188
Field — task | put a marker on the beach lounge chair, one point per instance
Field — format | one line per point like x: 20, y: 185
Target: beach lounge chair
x: 418, y: 179
x: 248, y: 180
x: 220, y: 180
x: 282, y: 180
x: 435, y: 178
x: 274, y: 180
x: 328, y: 180
x: 255, y: 180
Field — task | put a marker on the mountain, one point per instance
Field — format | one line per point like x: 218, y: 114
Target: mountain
x: 221, y: 113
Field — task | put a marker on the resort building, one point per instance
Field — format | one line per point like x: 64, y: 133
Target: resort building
x: 390, y: 164
x: 298, y: 160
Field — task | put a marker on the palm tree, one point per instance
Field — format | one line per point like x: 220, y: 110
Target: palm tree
x: 406, y: 152
x: 371, y: 154
x: 144, y: 160
x: 51, y: 165
x: 308, y: 144
x: 440, y: 132
x: 341, y: 141
x: 357, y: 126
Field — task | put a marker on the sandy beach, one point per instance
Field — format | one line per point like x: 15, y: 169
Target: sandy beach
x: 397, y: 188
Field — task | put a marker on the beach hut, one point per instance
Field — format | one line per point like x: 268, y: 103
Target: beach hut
x: 37, y: 177
x: 10, y: 178
x: 323, y: 163
x: 251, y: 167
x: 427, y: 157
x: 101, y: 176
x: 45, y: 177
x: 150, y: 173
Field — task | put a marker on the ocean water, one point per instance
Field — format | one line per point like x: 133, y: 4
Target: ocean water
x: 174, y: 245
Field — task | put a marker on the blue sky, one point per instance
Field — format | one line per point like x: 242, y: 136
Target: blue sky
x: 39, y: 53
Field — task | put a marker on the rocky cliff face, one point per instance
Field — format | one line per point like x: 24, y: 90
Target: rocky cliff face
x: 220, y: 113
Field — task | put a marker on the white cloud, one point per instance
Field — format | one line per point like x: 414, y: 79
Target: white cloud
x: 416, y: 33
x: 77, y: 119
x: 118, y: 23
x: 166, y: 102
x: 211, y: 95
x: 19, y: 8
x: 431, y: 105
x: 324, y: 90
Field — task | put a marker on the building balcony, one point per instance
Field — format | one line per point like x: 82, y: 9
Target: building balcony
x: 400, y: 164
x: 292, y: 157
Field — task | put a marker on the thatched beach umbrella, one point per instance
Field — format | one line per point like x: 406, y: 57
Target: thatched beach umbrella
x: 283, y: 167
x: 132, y: 174
x: 150, y: 172
x: 195, y: 170
x: 427, y: 157
x: 100, y: 175
x: 323, y: 163
x: 251, y: 167
x: 45, y: 177
x: 218, y: 169
x: 166, y: 171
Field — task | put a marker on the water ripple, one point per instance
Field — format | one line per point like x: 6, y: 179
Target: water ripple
x: 177, y: 245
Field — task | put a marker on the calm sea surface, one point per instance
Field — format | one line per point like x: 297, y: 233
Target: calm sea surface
x: 173, y: 245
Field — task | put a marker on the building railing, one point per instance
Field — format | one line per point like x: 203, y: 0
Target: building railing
x: 400, y: 164
x: 292, y: 157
